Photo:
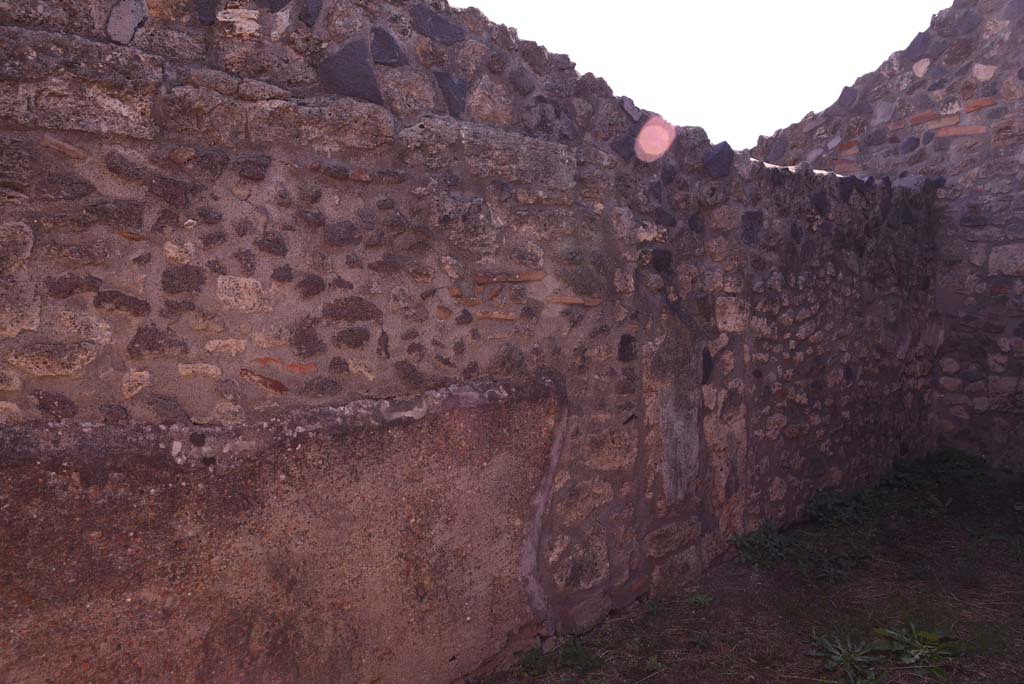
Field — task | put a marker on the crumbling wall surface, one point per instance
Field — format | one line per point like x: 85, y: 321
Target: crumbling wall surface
x: 952, y: 105
x: 351, y: 341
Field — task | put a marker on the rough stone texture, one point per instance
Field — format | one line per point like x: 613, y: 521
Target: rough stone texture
x: 299, y: 386
x: 959, y: 114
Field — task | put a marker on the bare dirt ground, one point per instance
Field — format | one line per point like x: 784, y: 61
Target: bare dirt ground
x: 918, y: 580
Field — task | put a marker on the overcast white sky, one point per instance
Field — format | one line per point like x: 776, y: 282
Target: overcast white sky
x: 738, y: 68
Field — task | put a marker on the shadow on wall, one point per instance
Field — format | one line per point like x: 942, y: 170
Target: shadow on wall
x: 952, y: 105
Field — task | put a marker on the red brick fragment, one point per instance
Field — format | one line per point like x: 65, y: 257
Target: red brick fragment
x: 263, y: 381
x: 961, y: 131
x: 982, y: 103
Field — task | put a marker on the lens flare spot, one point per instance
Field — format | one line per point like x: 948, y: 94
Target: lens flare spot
x: 654, y: 139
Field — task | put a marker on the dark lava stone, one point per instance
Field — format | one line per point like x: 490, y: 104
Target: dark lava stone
x: 464, y: 317
x: 311, y: 286
x: 215, y: 266
x: 390, y: 263
x: 718, y: 160
x: 696, y: 223
x: 313, y: 219
x: 207, y: 11
x: 166, y: 222
x: 429, y: 23
x: 209, y: 215
x: 244, y: 227
x: 341, y: 234
x: 321, y: 386
x: 112, y: 300
x: 121, y: 214
x: 349, y: 73
x: 338, y: 365
x: 246, y: 261
x: 211, y: 162
x: 272, y: 243
x: 274, y: 5
x: 114, y: 413
x: 627, y: 349
x: 122, y: 166
x: 168, y: 410
x: 282, y: 274
x: 974, y: 216
x: 848, y: 97
x: 150, y: 341
x: 410, y: 375
x: 752, y: 224
x: 170, y: 190
x: 967, y: 22
x: 909, y: 144
x: 352, y: 309
x: 385, y: 49
x: 310, y: 12
x: 661, y: 260
x: 707, y: 366
x: 71, y: 284
x: 305, y: 340
x: 352, y: 338
x: 522, y: 81
x: 65, y: 186
x: 624, y: 146
x: 252, y: 168
x: 509, y: 362
x: 55, y: 405
x: 819, y: 200
x: 175, y: 307
x: 183, y: 278
x: 342, y: 284
x: 213, y: 238
x: 664, y: 217
x: 454, y: 90
x: 918, y: 47
x: 876, y: 137
x: 997, y: 112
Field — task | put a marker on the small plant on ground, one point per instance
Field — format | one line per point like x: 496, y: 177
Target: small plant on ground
x: 535, y: 663
x: 700, y: 600
x: 928, y: 654
x: 762, y: 548
x: 656, y: 608
x: 833, y: 509
x: 831, y: 567
x: 855, y: 660
x: 701, y: 639
x: 577, y: 657
x: 572, y: 656
x: 932, y: 651
x: 652, y: 664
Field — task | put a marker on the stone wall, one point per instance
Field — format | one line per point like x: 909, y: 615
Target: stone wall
x: 353, y: 341
x: 952, y: 105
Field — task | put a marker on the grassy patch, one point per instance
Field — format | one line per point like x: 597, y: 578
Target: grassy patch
x: 762, y: 548
x: 928, y: 654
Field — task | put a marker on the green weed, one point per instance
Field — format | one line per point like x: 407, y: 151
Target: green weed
x: 928, y: 653
x: 699, y: 600
x: 855, y: 660
x: 932, y: 651
x: 762, y: 548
